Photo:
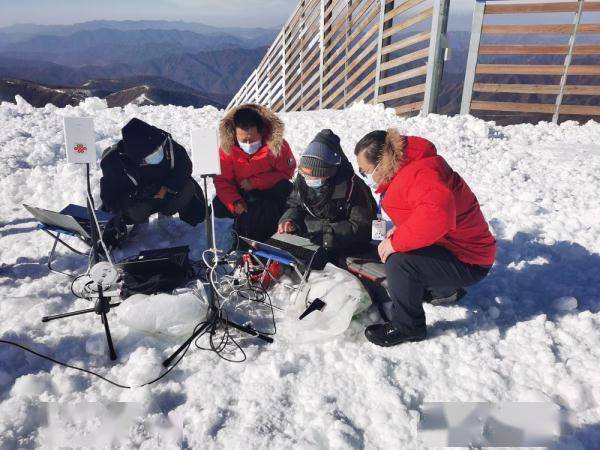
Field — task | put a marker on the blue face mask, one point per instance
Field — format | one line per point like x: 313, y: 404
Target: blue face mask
x: 251, y: 148
x: 314, y: 183
x: 156, y: 157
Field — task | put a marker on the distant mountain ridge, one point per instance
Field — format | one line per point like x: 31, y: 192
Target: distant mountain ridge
x: 204, y: 61
x: 137, y: 90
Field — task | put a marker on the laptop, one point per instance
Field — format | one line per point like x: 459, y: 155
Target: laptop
x: 290, y: 249
x: 72, y: 218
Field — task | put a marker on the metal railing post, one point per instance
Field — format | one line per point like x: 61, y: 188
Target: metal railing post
x: 435, y: 61
x: 567, y: 63
x: 322, y: 52
x: 284, y: 68
x: 383, y: 25
x: 467, y: 95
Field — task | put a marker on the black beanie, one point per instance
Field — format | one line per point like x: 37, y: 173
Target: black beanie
x: 322, y: 157
x: 141, y: 139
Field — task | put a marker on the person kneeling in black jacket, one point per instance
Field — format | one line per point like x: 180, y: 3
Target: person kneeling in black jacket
x: 148, y: 172
x: 330, y: 205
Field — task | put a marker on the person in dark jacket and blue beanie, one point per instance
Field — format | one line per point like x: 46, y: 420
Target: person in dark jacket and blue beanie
x: 148, y: 172
x: 330, y: 205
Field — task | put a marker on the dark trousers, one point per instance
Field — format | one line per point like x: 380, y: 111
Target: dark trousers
x: 142, y: 209
x: 434, y: 268
x: 265, y: 208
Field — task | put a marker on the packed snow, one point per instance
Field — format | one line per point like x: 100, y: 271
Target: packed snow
x: 530, y: 332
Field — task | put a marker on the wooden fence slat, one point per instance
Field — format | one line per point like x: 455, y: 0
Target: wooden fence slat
x: 354, y: 76
x: 516, y: 88
x: 334, y: 17
x: 586, y: 49
x: 534, y: 69
x: 422, y: 16
x: 543, y: 7
x: 355, y: 61
x: 354, y: 32
x: 343, y: 21
x: 514, y: 107
x: 406, y: 75
x: 409, y: 108
x: 583, y: 110
x: 402, y: 8
x: 591, y: 49
x: 535, y: 89
x: 349, y: 96
x: 523, y: 49
x: 407, y: 42
x: 406, y: 92
x: 414, y: 56
x: 591, y: 28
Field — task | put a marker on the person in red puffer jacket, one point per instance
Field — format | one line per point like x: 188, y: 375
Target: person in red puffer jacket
x: 440, y: 239
x: 257, y: 165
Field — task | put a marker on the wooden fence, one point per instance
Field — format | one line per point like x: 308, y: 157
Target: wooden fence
x: 333, y: 53
x: 556, y: 80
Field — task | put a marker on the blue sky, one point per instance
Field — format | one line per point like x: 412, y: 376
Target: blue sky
x: 245, y: 13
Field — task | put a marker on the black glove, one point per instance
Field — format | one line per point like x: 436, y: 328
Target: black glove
x: 115, y: 232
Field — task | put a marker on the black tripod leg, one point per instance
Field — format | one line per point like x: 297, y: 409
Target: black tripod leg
x: 74, y: 313
x: 69, y: 314
x: 111, y: 348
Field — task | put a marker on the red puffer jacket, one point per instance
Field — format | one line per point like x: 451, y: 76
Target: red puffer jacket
x: 263, y: 169
x: 430, y: 204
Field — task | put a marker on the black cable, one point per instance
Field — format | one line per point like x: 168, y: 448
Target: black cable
x: 90, y: 372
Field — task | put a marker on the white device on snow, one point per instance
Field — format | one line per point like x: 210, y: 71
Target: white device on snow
x: 80, y: 140
x: 205, y: 151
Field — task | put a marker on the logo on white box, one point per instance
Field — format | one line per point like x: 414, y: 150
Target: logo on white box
x: 80, y: 140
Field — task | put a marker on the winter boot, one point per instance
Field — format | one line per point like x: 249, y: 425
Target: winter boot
x: 387, y: 335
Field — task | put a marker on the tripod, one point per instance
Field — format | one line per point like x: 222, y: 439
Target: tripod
x: 102, y: 303
x: 214, y: 316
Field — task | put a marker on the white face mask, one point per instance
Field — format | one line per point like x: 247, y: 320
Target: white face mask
x: 370, y: 181
x: 252, y: 147
x: 314, y: 183
x: 155, y: 157
x: 369, y: 178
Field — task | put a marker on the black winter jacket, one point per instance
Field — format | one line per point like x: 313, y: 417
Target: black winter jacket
x: 123, y: 180
x: 338, y: 215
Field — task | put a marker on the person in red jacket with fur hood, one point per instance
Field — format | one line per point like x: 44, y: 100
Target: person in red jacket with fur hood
x: 257, y: 165
x: 440, y: 239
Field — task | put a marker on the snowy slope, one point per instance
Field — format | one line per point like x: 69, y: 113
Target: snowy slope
x: 513, y: 338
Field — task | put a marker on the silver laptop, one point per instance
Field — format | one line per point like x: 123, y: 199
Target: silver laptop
x: 57, y: 220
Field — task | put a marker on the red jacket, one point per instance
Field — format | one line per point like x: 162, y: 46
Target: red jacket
x: 430, y: 204
x: 263, y: 169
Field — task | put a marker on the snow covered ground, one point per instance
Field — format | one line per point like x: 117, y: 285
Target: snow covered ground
x: 529, y: 332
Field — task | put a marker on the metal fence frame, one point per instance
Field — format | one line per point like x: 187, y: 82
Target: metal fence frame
x: 512, y: 7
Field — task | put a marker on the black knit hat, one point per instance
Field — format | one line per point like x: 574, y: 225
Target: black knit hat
x: 141, y: 139
x: 322, y: 157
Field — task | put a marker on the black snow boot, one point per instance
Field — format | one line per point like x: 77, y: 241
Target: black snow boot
x: 387, y: 335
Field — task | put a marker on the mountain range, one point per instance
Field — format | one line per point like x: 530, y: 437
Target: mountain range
x: 207, y: 65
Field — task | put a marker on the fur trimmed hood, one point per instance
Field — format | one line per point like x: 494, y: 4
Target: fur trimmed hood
x: 400, y: 150
x: 393, y: 154
x: 272, y: 133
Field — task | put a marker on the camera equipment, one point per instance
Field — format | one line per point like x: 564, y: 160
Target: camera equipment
x: 101, y: 277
